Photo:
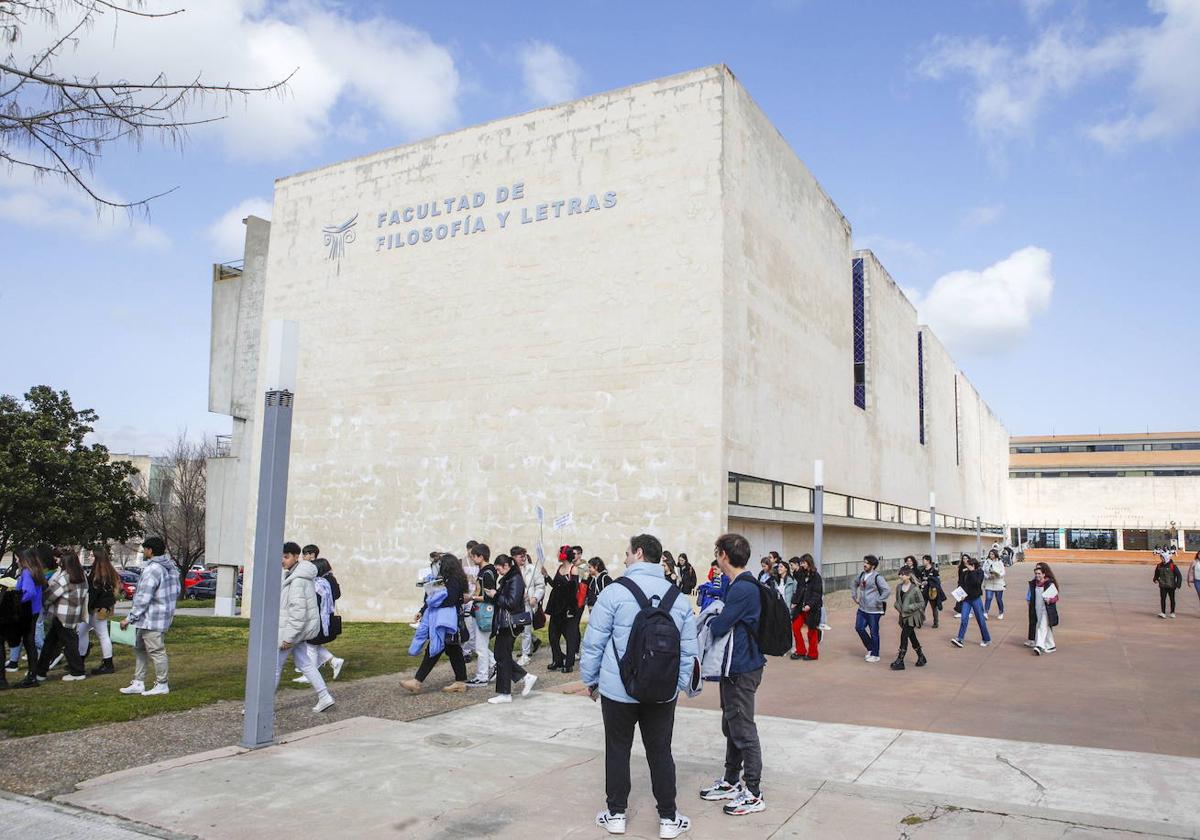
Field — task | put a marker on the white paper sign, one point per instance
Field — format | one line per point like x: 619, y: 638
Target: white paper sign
x: 1049, y: 591
x: 958, y: 594
x: 563, y: 521
x: 541, y: 555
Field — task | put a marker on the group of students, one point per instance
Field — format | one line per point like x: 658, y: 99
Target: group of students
x: 919, y: 587
x: 482, y: 614
x: 54, y: 604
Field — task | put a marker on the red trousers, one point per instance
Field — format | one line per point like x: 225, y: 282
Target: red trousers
x: 798, y: 629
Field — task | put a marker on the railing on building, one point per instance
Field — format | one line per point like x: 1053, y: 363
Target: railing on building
x: 233, y: 268
x: 223, y: 446
x: 749, y: 491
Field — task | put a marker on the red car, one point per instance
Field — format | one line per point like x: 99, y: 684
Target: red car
x: 194, y: 576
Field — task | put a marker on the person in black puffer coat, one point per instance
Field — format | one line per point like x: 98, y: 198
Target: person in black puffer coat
x: 511, y: 616
x: 806, y: 608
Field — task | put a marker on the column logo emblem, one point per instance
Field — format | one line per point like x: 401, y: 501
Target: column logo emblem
x: 337, y: 237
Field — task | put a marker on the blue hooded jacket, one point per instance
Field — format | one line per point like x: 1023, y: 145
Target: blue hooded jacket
x: 437, y: 622
x: 611, y: 621
x: 741, y: 616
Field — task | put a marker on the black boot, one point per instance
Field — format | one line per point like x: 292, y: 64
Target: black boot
x: 935, y: 619
x: 921, y: 660
x: 105, y: 667
x: 30, y: 681
x: 898, y: 665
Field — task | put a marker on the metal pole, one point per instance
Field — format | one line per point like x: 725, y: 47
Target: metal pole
x: 819, y: 522
x: 259, y: 725
x: 978, y: 539
x: 933, y: 530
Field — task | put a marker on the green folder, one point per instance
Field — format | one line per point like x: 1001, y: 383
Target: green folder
x: 119, y: 636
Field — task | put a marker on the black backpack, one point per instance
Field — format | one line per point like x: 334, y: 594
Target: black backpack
x: 774, y: 634
x: 650, y: 666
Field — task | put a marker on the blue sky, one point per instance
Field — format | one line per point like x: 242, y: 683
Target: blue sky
x: 1029, y: 170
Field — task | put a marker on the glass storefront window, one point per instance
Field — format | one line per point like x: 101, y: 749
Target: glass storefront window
x: 1042, y: 537
x: 1092, y: 538
x: 1136, y: 539
x: 1191, y: 540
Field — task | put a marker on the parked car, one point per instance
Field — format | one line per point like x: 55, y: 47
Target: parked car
x: 129, y: 581
x: 208, y: 589
x: 193, y: 577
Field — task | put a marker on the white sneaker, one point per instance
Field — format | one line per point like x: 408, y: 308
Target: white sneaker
x: 1162, y: 615
x: 73, y: 677
x: 748, y: 803
x: 668, y: 829
x: 1000, y: 617
x: 984, y: 644
x: 523, y: 661
x: 721, y: 789
x: 326, y: 700
x: 58, y: 660
x: 872, y: 658
x: 867, y: 658
x: 159, y: 688
x: 337, y: 666
x: 1029, y: 644
x: 301, y: 679
x: 1172, y: 615
x: 530, y: 679
x: 500, y: 698
x: 135, y: 687
x: 612, y: 823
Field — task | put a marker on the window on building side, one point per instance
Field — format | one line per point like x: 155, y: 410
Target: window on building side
x: 921, y: 386
x: 957, y: 438
x: 860, y: 335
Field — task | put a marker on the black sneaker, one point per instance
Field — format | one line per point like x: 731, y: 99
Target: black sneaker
x: 795, y: 656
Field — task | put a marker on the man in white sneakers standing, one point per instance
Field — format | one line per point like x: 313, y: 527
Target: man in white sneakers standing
x: 639, y: 652
x: 151, y: 615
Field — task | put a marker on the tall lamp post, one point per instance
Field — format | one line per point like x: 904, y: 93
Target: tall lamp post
x: 282, y: 345
x: 819, y: 522
x: 978, y: 539
x: 933, y: 528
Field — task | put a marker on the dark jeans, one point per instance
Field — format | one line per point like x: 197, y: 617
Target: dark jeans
x: 868, y: 622
x: 1163, y: 594
x: 563, y: 627
x: 657, y: 722
x: 506, y: 669
x: 992, y: 594
x: 61, y: 639
x: 454, y: 653
x: 743, y: 752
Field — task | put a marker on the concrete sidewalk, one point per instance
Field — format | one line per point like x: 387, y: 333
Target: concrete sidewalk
x: 536, y: 768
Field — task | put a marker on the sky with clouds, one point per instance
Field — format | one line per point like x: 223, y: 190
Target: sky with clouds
x: 1027, y: 170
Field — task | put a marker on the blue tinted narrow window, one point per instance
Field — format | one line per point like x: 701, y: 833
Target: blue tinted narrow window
x: 921, y: 386
x: 860, y: 336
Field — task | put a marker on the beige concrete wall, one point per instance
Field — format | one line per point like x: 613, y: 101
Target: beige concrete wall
x: 1146, y: 502
x: 788, y: 360
x: 446, y: 388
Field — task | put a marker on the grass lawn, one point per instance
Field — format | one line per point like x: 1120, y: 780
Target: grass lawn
x: 208, y: 663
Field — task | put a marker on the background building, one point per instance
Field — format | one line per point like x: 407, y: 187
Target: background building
x: 639, y: 308
x: 1105, y: 492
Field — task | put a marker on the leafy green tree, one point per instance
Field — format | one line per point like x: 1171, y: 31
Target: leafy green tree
x: 55, y: 488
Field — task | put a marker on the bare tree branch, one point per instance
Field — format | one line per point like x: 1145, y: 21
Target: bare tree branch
x: 66, y: 123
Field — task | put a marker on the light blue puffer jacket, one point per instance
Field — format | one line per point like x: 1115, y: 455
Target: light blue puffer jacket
x: 612, y: 620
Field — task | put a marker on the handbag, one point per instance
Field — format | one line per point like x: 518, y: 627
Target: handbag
x: 484, y: 612
x: 104, y: 613
x: 539, y: 618
x: 581, y: 591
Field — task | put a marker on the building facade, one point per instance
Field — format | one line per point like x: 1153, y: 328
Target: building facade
x: 1110, y: 492
x: 639, y: 309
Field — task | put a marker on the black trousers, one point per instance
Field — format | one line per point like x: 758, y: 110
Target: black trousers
x: 506, y: 669
x: 743, y: 750
x: 1163, y: 594
x: 454, y: 653
x: 61, y: 639
x: 908, y: 635
x: 657, y: 722
x: 561, y: 627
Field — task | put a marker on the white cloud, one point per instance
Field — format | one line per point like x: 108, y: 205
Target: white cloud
x: 228, y: 234
x: 1011, y: 88
x: 983, y: 215
x: 50, y: 202
x: 985, y: 311
x: 550, y: 75
x: 376, y: 70
x: 127, y: 440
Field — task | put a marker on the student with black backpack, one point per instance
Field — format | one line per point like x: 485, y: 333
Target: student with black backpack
x: 639, y: 652
x: 742, y: 614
